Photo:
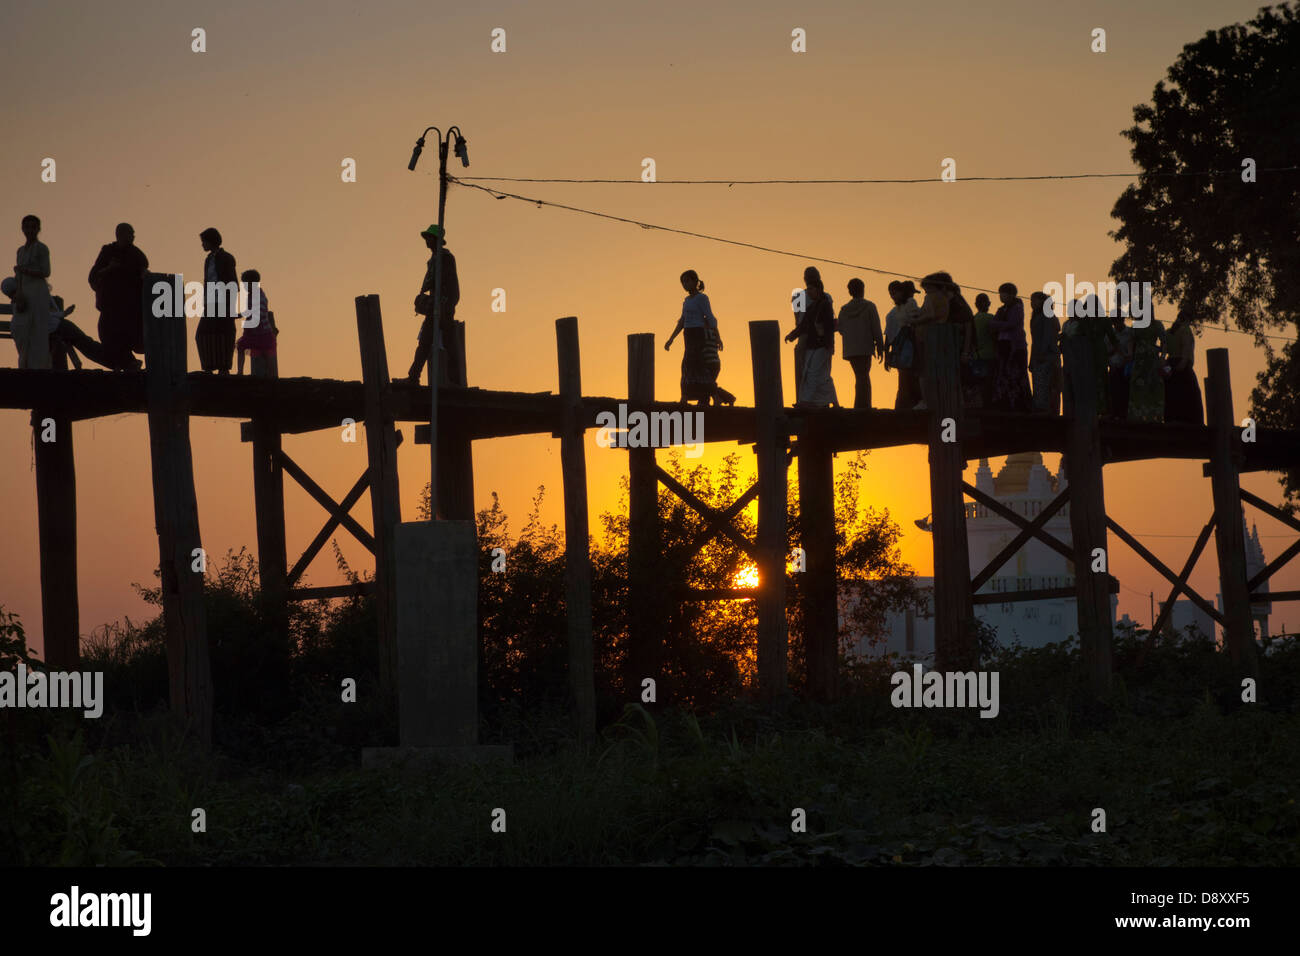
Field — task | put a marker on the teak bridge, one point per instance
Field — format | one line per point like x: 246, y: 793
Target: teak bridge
x: 271, y: 407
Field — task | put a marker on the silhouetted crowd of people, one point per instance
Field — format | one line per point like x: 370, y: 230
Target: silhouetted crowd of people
x: 1144, y: 372
x: 45, y: 338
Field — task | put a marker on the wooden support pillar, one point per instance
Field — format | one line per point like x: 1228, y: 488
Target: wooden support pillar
x: 56, y: 508
x: 645, y: 630
x: 455, y: 451
x: 1083, y: 465
x: 268, y: 506
x: 176, y: 510
x: 1229, y: 528
x: 385, y: 503
x: 771, y: 439
x: 954, y: 635
x: 821, y: 618
x: 577, y: 554
x: 455, y: 474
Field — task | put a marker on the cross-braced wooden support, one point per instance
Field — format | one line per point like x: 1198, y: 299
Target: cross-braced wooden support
x: 1179, y: 586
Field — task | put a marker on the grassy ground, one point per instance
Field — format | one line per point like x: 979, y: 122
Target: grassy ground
x: 1184, y: 772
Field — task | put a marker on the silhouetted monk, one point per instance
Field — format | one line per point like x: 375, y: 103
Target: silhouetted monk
x: 118, y: 279
x: 215, y: 335
x: 443, y: 337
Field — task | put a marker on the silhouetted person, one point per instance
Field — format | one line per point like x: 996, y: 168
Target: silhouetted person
x: 259, y: 330
x: 1011, y: 386
x: 1045, y: 354
x: 215, y: 336
x: 65, y: 336
x: 817, y: 333
x: 32, y: 323
x: 935, y: 308
x: 861, y: 338
x: 1182, y: 391
x: 810, y: 275
x: 1119, y: 366
x: 961, y: 315
x: 1089, y: 320
x: 1146, y: 386
x: 983, y: 350
x: 901, y: 345
x: 118, y: 280
x: 444, y: 337
x: 700, y: 360
x: 713, y: 363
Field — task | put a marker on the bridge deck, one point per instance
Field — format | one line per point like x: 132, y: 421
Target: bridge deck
x: 295, y: 405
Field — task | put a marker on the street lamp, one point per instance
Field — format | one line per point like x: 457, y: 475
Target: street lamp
x: 462, y: 152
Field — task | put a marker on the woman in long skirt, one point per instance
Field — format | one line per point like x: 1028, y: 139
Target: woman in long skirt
x: 817, y: 333
x: 713, y: 363
x: 1182, y: 391
x: 1146, y: 389
x: 32, y: 320
x: 1090, y: 322
x: 698, y: 381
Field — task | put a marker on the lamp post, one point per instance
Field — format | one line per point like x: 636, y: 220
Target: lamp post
x: 435, y: 365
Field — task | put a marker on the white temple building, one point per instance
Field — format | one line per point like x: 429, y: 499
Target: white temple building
x: 1026, y: 486
x: 1254, y: 564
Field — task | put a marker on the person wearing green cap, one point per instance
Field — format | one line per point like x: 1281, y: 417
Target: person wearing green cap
x: 442, y: 337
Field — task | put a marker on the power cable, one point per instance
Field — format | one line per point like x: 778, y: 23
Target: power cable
x: 856, y: 182
x: 500, y: 194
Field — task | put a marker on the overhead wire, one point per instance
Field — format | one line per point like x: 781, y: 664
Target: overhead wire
x: 853, y: 182
x: 541, y: 203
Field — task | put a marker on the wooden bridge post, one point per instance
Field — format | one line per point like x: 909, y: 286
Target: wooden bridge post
x: 577, y: 554
x: 385, y: 503
x: 176, y: 510
x: 56, y: 510
x: 821, y: 618
x: 455, y: 451
x: 645, y: 633
x: 1229, y: 530
x: 268, y: 506
x: 1083, y: 469
x: 771, y: 440
x: 954, y: 636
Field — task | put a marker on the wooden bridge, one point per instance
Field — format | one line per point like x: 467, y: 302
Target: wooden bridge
x: 270, y: 408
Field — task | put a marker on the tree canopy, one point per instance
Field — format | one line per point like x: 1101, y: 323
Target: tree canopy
x: 1213, y: 221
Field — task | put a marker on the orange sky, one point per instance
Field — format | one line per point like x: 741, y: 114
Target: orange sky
x: 250, y: 135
